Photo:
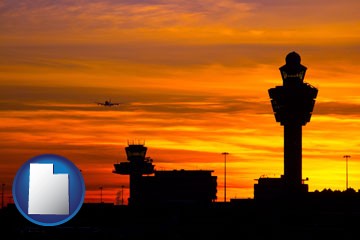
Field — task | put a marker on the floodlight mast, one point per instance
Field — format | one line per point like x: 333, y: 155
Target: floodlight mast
x: 347, y: 171
x: 225, y: 154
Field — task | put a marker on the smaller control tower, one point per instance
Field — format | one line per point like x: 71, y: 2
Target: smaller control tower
x: 138, y: 165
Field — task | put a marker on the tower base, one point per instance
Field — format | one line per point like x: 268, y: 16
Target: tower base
x: 277, y: 188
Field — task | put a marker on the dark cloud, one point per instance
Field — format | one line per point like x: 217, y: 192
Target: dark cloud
x: 177, y: 21
x: 151, y: 56
x: 144, y: 102
x: 66, y: 16
x: 25, y: 98
x: 26, y: 95
x: 78, y: 56
x: 77, y: 98
x: 337, y: 108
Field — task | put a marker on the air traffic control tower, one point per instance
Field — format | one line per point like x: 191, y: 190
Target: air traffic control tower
x: 138, y: 165
x: 293, y: 104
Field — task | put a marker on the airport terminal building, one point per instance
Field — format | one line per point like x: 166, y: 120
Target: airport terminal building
x: 151, y: 187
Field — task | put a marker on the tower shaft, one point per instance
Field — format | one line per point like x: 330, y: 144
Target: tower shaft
x: 135, y: 188
x: 293, y: 153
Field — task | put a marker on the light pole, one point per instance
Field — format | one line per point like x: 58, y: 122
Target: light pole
x: 225, y: 153
x: 101, y: 188
x: 2, y: 195
x: 347, y: 174
x: 122, y: 194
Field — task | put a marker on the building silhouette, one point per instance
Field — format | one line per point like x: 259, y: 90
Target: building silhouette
x: 293, y: 104
x: 164, y: 187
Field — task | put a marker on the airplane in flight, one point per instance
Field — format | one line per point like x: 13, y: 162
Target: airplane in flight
x: 107, y: 103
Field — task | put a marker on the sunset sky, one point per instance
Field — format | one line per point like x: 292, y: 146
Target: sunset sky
x: 192, y: 77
